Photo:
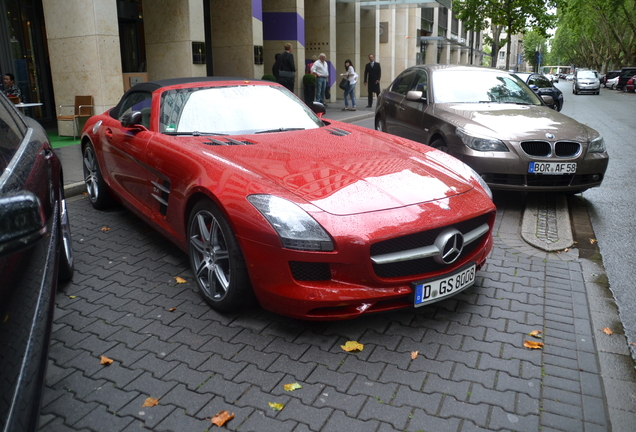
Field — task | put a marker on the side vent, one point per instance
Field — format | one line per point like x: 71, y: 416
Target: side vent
x: 161, y: 192
x: 229, y: 141
x: 338, y: 132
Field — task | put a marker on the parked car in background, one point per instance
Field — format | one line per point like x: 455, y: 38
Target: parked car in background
x: 316, y: 219
x: 492, y: 121
x: 542, y: 86
x: 570, y: 77
x: 35, y: 252
x: 554, y: 77
x: 629, y: 85
x: 612, y: 83
x: 586, y: 81
x: 609, y: 76
x: 626, y: 74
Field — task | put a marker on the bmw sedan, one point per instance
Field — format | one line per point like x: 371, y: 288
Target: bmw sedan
x: 495, y: 123
x: 35, y: 252
x: 314, y: 219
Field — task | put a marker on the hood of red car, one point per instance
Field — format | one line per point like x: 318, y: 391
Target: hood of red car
x: 357, y: 172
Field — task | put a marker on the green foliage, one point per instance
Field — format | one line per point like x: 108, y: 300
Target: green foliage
x: 533, y: 40
x: 269, y: 77
x: 309, y: 80
x: 508, y: 16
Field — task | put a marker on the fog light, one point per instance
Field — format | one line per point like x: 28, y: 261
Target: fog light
x: 596, y: 177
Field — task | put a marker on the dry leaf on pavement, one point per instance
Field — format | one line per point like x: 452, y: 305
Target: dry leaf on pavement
x: 414, y: 354
x: 535, y: 333
x: 592, y: 241
x: 221, y: 418
x: 607, y: 331
x: 105, y: 361
x: 150, y: 402
x: 292, y: 387
x: 352, y: 346
x: 179, y: 280
x: 105, y: 228
x: 533, y: 344
x: 172, y: 309
x: 276, y: 406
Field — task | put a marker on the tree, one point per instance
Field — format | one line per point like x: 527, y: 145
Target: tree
x: 511, y: 16
x: 534, y: 42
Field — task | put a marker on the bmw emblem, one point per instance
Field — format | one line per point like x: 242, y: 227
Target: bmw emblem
x: 549, y: 135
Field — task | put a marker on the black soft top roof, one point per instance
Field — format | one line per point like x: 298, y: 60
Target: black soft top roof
x: 151, y: 86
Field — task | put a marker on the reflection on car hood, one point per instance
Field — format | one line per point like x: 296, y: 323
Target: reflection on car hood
x: 354, y: 173
x: 510, y: 122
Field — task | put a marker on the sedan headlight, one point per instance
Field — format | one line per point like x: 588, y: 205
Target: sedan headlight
x: 481, y: 142
x: 295, y: 227
x: 597, y: 145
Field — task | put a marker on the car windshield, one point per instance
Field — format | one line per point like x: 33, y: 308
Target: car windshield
x: 586, y: 74
x: 459, y: 86
x: 233, y: 110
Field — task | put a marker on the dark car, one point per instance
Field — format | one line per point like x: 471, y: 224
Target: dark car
x: 626, y: 74
x: 493, y: 122
x: 35, y: 252
x: 543, y: 86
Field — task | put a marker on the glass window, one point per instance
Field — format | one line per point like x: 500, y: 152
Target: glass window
x: 540, y: 81
x: 403, y: 83
x: 420, y: 83
x: 138, y: 101
x: 12, y: 131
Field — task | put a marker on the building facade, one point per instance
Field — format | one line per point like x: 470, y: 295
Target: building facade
x: 59, y: 49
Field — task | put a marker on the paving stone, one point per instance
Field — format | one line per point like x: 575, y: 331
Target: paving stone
x: 147, y: 384
x: 371, y: 370
x: 158, y: 367
x: 421, y: 421
x: 158, y: 346
x: 531, y: 387
x: 382, y: 392
x: 451, y: 407
x: 561, y: 422
x: 260, y: 359
x: 101, y: 420
x: 192, y: 402
x: 194, y: 341
x: 192, y: 378
x: 248, y: 337
x: 405, y: 397
x: 293, y: 350
x: 69, y: 408
x: 349, y: 404
x: 500, y: 419
x: 225, y: 349
x: 260, y: 422
x: 315, y: 418
x: 339, y: 422
x: 57, y: 425
x: 227, y: 389
x: 79, y: 385
x: 435, y: 384
x: 111, y: 397
x: 384, y: 413
x: 440, y: 368
x: 150, y: 416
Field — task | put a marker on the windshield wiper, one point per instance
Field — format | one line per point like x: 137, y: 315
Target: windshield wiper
x: 279, y: 130
x: 195, y: 133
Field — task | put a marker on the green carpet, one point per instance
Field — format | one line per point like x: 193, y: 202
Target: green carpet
x: 61, y: 141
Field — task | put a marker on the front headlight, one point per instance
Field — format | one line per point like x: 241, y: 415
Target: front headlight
x: 597, y: 145
x: 295, y: 227
x: 481, y: 142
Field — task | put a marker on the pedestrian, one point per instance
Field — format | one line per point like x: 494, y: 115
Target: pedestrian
x: 372, y: 75
x: 321, y: 70
x: 352, y: 76
x: 287, y: 68
x: 9, y: 88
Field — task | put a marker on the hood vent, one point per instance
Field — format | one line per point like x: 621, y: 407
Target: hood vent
x: 229, y: 141
x: 338, y: 132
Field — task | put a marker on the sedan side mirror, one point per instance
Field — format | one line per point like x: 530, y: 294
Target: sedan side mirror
x: 131, y: 119
x: 416, y: 95
x: 22, y: 222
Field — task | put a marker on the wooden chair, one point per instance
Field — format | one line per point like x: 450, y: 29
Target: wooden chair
x: 83, y: 108
x: 14, y: 99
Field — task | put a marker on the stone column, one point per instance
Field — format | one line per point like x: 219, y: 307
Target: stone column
x: 170, y: 27
x: 320, y: 27
x: 348, y: 44
x: 387, y: 49
x: 83, y: 44
x: 369, y: 42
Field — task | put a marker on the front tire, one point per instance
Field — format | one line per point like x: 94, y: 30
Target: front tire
x: 216, y: 259
x: 378, y: 124
x: 95, y: 185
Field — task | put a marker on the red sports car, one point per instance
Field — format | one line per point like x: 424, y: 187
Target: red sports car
x: 315, y: 219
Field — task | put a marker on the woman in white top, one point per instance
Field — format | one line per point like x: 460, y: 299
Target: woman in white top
x: 352, y: 76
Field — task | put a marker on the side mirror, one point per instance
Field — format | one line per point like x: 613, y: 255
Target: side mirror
x: 22, y: 222
x: 549, y: 100
x: 416, y: 95
x: 318, y: 108
x: 131, y: 119
x: 534, y: 88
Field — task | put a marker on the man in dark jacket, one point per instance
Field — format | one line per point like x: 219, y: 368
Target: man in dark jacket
x: 372, y: 75
x: 287, y: 68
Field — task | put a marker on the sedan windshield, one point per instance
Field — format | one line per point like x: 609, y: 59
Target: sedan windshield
x: 234, y: 110
x: 459, y: 86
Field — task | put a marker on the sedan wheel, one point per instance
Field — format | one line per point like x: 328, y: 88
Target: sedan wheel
x: 65, y: 264
x: 95, y: 186
x: 378, y: 124
x: 216, y: 259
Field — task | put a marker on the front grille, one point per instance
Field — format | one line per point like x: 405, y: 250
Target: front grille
x: 567, y: 148
x: 536, y: 148
x: 417, y: 240
x: 310, y: 271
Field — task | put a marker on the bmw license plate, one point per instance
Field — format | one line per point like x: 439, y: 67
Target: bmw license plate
x: 430, y: 291
x: 552, y: 168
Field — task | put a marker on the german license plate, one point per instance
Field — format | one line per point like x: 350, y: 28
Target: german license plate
x: 436, y: 289
x: 552, y: 168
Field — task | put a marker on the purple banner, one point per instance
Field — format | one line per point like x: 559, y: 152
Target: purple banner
x: 257, y: 9
x: 284, y: 26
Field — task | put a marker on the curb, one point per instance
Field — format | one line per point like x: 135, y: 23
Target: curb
x: 74, y: 189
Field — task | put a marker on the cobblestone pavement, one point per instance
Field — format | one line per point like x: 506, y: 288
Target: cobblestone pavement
x: 472, y: 372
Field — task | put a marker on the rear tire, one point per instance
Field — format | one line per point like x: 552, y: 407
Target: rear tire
x: 95, y: 185
x: 216, y: 259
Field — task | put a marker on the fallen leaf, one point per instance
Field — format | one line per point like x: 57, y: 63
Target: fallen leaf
x: 414, y: 354
x: 221, y: 418
x: 105, y: 228
x: 535, y: 333
x: 150, y: 402
x: 533, y: 344
x: 607, y: 331
x: 71, y: 297
x: 6, y: 318
x: 592, y: 241
x: 276, y: 406
x: 105, y: 361
x: 292, y: 387
x: 565, y: 250
x: 632, y: 343
x: 179, y: 280
x: 352, y: 346
x: 172, y: 309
